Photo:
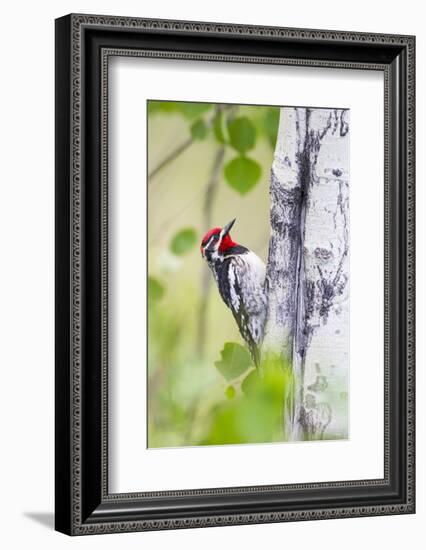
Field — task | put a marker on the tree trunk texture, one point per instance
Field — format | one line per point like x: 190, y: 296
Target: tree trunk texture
x: 307, y: 271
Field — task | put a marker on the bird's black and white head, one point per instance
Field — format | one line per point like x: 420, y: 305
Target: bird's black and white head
x: 217, y: 243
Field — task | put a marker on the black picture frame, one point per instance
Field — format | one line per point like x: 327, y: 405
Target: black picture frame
x: 83, y: 45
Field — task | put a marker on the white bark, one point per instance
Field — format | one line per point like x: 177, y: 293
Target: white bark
x: 307, y: 272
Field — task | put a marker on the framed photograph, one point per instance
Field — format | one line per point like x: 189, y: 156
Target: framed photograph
x: 234, y: 274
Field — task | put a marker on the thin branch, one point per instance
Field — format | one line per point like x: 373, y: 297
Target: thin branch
x: 206, y: 278
x: 187, y: 143
x: 171, y: 157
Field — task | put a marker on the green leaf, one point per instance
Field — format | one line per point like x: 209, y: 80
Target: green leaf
x: 194, y: 110
x: 155, y: 289
x: 198, y: 129
x: 230, y: 392
x: 271, y: 121
x: 183, y: 241
x: 185, y: 108
x: 234, y: 360
x: 242, y: 134
x: 250, y: 383
x: 242, y: 174
x: 164, y: 107
x: 257, y: 415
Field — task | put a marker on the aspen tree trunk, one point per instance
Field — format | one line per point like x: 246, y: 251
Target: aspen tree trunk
x: 307, y: 271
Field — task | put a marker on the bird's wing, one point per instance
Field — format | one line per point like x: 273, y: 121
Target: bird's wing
x: 248, y: 299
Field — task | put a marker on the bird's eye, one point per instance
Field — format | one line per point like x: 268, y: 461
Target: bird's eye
x: 215, y: 238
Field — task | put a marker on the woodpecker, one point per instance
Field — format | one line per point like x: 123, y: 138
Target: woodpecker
x: 240, y: 276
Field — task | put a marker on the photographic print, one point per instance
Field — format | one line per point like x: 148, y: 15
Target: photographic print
x: 248, y: 273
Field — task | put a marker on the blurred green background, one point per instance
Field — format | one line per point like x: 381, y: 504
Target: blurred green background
x: 207, y: 164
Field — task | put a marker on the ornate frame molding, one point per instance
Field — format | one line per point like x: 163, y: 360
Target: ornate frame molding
x: 72, y: 47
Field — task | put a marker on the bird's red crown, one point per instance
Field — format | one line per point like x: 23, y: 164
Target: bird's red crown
x: 226, y: 242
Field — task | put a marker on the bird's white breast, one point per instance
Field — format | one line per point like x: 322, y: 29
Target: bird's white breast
x: 257, y: 266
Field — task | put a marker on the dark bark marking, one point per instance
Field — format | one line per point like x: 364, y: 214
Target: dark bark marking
x: 344, y: 126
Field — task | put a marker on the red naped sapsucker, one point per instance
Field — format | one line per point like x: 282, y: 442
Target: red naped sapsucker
x: 240, y: 277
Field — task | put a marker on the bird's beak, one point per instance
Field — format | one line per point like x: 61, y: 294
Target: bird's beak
x: 228, y: 227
